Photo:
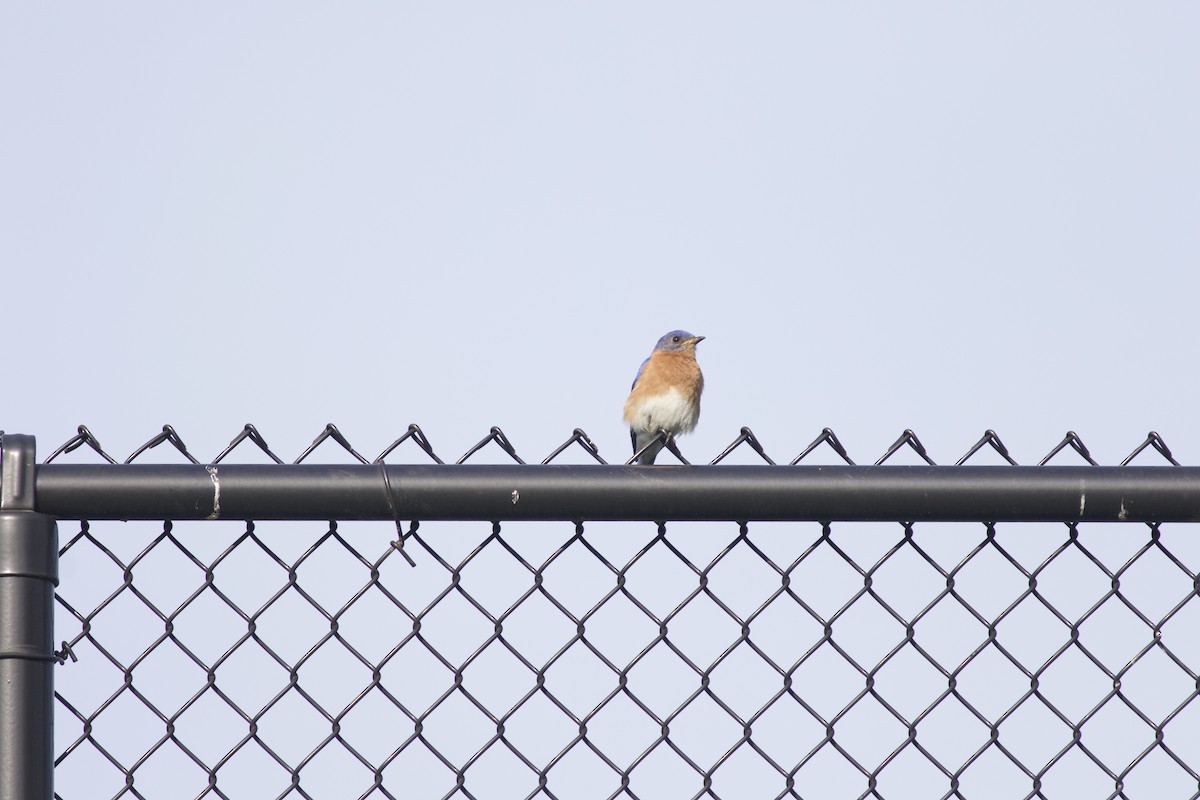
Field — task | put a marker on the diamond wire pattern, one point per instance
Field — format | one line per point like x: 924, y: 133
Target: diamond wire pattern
x: 628, y: 660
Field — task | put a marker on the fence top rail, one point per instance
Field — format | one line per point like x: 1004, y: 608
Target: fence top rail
x: 605, y: 492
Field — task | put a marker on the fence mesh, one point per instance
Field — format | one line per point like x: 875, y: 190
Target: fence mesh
x: 601, y: 660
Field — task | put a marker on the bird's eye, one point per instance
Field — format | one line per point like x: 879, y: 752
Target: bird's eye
x: 675, y: 339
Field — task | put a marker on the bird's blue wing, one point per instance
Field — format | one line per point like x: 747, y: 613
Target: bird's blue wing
x: 632, y: 434
x: 639, y: 375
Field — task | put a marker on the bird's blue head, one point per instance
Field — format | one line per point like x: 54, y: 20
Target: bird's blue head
x: 678, y: 340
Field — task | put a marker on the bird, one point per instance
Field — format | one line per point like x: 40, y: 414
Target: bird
x: 665, y: 396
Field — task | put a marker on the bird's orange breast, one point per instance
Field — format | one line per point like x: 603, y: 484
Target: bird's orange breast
x: 667, y: 370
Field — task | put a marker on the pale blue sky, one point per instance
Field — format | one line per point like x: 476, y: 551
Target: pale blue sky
x: 941, y: 216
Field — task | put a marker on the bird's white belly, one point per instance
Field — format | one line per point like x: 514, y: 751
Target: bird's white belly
x: 670, y: 412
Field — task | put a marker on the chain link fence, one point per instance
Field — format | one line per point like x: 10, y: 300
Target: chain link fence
x: 666, y: 659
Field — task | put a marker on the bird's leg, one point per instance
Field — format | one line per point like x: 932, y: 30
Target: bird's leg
x: 669, y: 443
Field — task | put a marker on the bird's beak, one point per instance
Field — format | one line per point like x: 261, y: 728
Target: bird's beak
x: 695, y: 340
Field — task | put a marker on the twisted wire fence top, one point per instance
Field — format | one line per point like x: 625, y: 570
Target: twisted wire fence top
x: 640, y: 660
x: 250, y: 436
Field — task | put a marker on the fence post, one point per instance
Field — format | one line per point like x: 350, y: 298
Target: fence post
x: 28, y: 575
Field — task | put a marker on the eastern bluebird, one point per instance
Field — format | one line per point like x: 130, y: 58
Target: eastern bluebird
x: 666, y: 393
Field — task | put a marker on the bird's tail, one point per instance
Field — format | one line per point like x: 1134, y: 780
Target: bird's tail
x: 651, y: 452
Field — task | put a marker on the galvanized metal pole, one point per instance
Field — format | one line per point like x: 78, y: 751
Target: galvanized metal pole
x: 28, y: 575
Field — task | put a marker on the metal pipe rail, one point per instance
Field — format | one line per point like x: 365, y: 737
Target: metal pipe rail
x: 525, y: 492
